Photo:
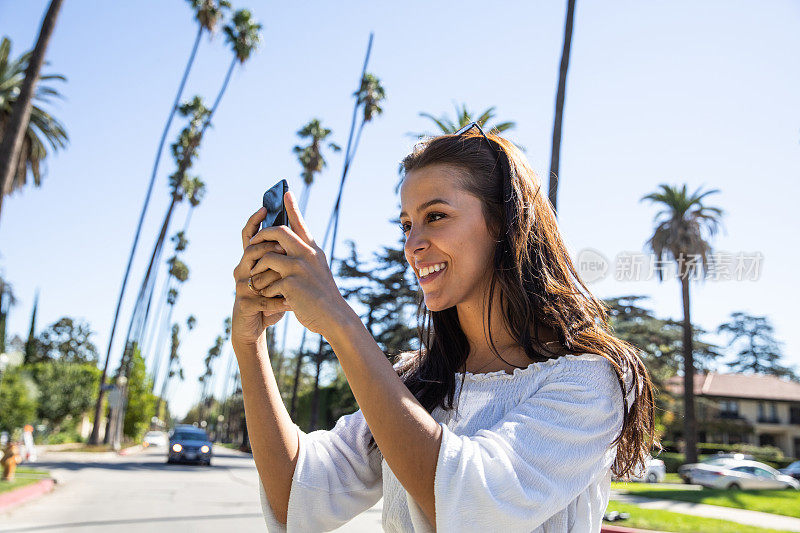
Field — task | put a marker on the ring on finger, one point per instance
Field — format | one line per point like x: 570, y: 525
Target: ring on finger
x: 250, y: 285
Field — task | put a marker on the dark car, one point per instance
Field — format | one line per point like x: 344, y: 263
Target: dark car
x: 792, y: 470
x: 188, y: 444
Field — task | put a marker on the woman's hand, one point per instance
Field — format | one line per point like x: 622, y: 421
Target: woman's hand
x: 301, y: 276
x: 252, y: 313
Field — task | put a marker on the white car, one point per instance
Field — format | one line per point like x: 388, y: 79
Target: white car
x: 685, y: 471
x: 742, y: 474
x: 155, y: 438
x: 654, y: 471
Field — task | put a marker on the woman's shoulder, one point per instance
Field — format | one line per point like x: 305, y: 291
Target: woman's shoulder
x: 563, y: 365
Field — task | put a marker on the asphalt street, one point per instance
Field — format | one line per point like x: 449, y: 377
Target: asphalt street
x: 140, y: 492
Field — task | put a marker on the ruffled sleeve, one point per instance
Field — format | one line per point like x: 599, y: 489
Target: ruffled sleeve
x: 335, y: 478
x: 536, y: 460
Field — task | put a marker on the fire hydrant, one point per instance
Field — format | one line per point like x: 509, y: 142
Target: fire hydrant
x: 10, y: 460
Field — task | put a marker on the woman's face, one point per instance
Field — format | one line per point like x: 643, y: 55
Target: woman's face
x: 444, y: 226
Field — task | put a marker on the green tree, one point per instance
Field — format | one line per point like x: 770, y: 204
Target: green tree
x: 20, y: 147
x: 660, y: 344
x: 67, y: 340
x: 758, y: 350
x: 141, y: 402
x: 684, y: 227
x: 17, y: 400
x: 65, y: 389
x: 387, y: 291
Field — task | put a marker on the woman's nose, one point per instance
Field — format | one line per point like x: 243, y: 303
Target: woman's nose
x: 415, y: 242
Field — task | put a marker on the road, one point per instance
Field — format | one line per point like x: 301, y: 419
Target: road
x: 140, y: 492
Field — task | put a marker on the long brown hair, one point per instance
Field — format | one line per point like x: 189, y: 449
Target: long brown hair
x: 537, y: 283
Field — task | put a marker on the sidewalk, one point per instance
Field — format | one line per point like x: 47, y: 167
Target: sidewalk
x: 741, y: 516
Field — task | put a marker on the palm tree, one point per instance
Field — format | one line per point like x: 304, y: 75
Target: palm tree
x: 194, y: 190
x: 207, y: 13
x: 40, y: 125
x: 684, y: 226
x: 310, y: 157
x: 7, y: 299
x: 16, y: 128
x: 312, y: 162
x: 369, y: 95
x: 173, y: 366
x: 244, y: 36
x: 463, y: 117
x: 184, y: 152
x: 562, y: 87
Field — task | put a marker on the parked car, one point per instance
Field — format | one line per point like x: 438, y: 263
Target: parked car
x: 155, y: 438
x: 654, y: 472
x: 742, y: 474
x: 792, y: 470
x: 685, y: 471
x: 189, y: 444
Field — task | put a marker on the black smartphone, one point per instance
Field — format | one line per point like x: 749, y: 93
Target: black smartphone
x: 276, y: 210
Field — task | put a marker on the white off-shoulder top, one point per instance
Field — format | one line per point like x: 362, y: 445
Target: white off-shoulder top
x: 524, y: 452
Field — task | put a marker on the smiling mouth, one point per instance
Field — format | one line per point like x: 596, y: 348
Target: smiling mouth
x: 430, y: 273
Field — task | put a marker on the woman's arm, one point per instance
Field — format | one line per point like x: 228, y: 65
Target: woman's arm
x: 406, y: 434
x: 273, y: 435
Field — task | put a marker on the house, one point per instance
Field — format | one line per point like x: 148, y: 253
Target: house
x: 746, y: 408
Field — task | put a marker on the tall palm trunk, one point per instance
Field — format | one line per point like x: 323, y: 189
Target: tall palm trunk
x: 562, y: 88
x: 158, y: 328
x: 348, y: 157
x: 297, y: 372
x: 139, y: 316
x: 94, y: 439
x: 689, y: 420
x: 14, y: 132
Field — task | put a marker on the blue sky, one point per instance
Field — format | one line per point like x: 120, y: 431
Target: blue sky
x: 658, y: 92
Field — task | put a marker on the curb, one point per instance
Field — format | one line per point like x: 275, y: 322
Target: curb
x: 23, y: 494
x: 131, y: 449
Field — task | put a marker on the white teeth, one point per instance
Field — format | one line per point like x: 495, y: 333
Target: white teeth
x: 424, y: 271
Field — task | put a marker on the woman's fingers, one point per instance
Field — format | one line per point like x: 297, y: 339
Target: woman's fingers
x: 255, y: 302
x: 276, y: 290
x: 283, y: 235
x: 255, y: 252
x: 296, y: 221
x: 251, y: 227
x: 263, y: 279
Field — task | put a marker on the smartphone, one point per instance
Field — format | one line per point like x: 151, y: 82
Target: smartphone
x: 276, y: 210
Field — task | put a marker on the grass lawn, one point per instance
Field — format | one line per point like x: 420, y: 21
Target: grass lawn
x: 636, y: 487
x: 782, y: 502
x: 677, y: 522
x: 24, y: 476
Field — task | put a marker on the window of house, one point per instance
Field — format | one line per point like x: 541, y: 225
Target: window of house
x: 729, y: 407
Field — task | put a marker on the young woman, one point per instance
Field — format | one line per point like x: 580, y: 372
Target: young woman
x: 520, y: 402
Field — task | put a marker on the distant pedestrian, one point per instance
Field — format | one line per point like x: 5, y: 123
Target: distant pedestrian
x: 10, y: 460
x: 516, y: 408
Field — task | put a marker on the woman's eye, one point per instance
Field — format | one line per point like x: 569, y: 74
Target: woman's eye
x: 406, y: 227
